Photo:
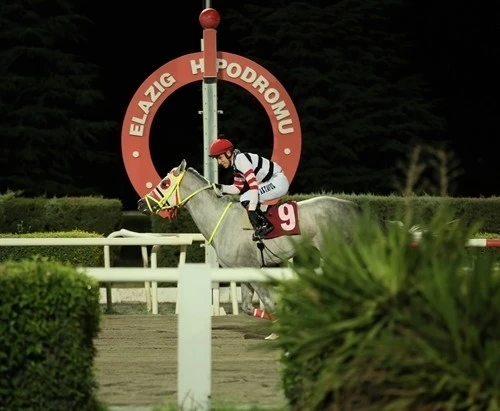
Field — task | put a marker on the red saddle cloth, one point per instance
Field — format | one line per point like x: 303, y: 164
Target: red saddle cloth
x: 285, y: 219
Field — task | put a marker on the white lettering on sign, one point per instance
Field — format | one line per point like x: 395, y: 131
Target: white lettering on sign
x: 259, y: 83
x: 152, y: 94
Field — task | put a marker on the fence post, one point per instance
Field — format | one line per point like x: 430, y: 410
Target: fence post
x: 194, y: 331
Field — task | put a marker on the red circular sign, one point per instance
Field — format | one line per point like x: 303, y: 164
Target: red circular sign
x: 185, y: 70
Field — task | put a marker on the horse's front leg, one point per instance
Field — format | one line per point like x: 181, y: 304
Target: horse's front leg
x: 265, y: 296
x: 247, y: 293
x: 269, y: 306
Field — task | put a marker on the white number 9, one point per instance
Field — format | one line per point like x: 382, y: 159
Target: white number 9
x: 287, y: 217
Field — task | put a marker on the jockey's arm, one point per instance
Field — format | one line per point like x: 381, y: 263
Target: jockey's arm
x: 245, y: 166
x: 235, y: 188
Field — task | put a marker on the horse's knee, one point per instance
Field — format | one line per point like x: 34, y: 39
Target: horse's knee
x: 266, y: 298
x: 246, y: 298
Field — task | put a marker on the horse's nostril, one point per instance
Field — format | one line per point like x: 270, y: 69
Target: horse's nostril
x: 142, y: 208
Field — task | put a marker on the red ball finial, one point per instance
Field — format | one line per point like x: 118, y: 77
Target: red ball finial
x: 209, y: 18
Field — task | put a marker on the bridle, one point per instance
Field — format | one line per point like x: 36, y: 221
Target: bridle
x: 164, y: 205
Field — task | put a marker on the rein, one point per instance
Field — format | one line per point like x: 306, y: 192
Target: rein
x: 173, y: 208
x: 220, y: 221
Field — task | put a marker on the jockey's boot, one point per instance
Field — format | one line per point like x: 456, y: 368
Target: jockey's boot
x: 264, y: 226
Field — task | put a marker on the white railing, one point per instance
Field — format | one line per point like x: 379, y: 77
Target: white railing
x: 125, y: 237
x: 131, y: 238
x: 151, y: 287
x: 171, y: 274
x: 95, y: 241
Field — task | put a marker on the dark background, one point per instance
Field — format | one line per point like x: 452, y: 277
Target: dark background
x: 133, y: 43
x: 455, y: 44
x: 454, y: 49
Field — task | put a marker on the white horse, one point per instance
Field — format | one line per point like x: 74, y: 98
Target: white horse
x: 220, y: 220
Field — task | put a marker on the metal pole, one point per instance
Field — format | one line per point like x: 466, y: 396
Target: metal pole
x: 210, y: 132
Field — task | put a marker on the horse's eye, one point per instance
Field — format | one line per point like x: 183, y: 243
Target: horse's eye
x: 165, y: 183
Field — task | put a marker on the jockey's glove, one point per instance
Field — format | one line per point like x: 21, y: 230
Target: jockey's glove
x: 218, y: 189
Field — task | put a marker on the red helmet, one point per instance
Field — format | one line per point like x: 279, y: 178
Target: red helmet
x: 220, y: 146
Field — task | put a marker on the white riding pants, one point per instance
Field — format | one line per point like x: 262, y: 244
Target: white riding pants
x: 273, y: 189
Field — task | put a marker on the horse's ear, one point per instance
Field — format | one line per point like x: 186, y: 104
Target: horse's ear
x: 182, y: 166
x: 180, y: 169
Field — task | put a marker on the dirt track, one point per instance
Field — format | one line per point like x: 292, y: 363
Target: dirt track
x: 137, y: 361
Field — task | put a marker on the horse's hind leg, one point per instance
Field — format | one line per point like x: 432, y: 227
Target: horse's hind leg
x: 247, y: 293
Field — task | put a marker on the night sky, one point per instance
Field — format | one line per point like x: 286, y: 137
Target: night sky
x: 134, y: 39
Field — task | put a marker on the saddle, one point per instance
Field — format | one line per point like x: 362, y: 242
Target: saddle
x: 282, y: 215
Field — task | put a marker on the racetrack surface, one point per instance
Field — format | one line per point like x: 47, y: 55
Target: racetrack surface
x: 136, y: 362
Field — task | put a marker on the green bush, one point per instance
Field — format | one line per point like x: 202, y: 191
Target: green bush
x: 49, y: 317
x: 85, y: 256
x: 392, y: 327
x: 27, y: 215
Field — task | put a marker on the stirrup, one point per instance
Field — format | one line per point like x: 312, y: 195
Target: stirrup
x: 256, y: 237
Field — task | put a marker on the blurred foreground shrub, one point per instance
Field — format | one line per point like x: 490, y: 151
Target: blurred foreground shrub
x: 49, y: 317
x: 388, y: 326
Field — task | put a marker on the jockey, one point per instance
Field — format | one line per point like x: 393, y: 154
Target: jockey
x: 256, y: 178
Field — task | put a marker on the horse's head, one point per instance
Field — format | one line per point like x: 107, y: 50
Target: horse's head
x: 165, y: 196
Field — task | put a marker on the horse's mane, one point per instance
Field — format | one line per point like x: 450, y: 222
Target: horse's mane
x: 198, y: 175
x: 203, y: 179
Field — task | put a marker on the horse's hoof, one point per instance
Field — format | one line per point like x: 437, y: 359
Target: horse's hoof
x: 247, y: 310
x: 272, y: 336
